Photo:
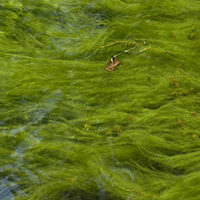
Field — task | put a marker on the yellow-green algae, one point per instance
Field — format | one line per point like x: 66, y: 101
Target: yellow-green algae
x: 69, y: 130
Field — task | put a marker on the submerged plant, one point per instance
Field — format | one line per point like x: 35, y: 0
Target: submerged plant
x: 114, y: 62
x: 70, y: 131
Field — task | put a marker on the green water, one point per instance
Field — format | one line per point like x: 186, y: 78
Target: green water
x: 69, y: 130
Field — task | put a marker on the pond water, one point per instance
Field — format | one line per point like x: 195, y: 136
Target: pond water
x: 69, y: 129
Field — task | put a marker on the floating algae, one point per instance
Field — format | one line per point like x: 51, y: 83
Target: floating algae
x: 68, y: 130
x: 114, y: 62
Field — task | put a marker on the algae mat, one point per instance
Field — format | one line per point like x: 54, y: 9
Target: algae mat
x: 71, y: 130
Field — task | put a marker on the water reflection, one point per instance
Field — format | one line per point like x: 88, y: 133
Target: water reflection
x: 9, y: 188
x: 6, y: 189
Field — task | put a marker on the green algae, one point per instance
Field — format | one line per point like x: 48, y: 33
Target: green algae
x: 70, y: 130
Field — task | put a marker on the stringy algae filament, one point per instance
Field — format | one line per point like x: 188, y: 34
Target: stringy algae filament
x: 69, y: 130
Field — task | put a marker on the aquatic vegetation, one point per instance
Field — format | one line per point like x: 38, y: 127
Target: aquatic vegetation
x: 69, y: 130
